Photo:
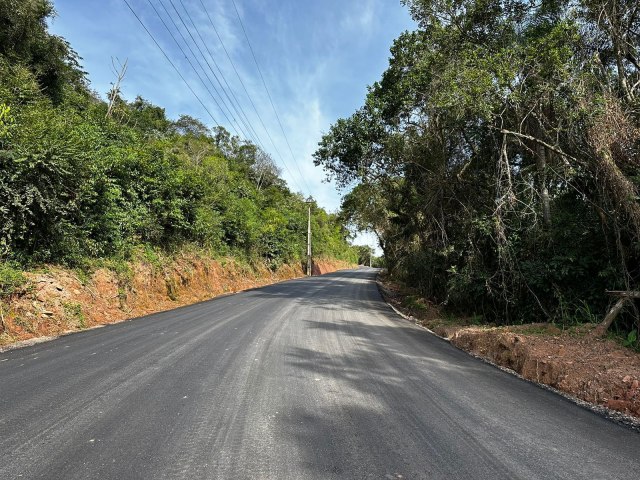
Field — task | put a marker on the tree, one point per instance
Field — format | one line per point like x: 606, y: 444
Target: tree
x: 81, y: 178
x: 187, y: 125
x: 24, y: 39
x: 500, y: 134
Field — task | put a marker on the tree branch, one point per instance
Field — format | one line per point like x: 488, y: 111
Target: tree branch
x: 540, y: 142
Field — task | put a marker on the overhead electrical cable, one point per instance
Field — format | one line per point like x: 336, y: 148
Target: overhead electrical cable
x: 195, y: 58
x: 284, y: 163
x: 255, y: 109
x: 202, y: 55
x: 250, y: 126
x: 190, y: 63
x: 264, y: 83
x: 202, y: 81
x: 235, y: 102
x: 171, y: 63
x: 240, y: 114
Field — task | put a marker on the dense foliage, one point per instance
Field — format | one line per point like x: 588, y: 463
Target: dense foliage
x: 77, y: 182
x: 498, y: 158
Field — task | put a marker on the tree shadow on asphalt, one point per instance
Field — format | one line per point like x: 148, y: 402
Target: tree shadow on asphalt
x: 374, y: 405
x: 377, y: 375
x: 394, y: 400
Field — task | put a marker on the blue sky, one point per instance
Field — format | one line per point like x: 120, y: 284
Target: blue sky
x: 317, y: 58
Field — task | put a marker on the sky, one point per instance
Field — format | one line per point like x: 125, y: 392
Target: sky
x: 316, y: 57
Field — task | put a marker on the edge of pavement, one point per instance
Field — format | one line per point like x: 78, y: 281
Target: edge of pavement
x: 620, y: 418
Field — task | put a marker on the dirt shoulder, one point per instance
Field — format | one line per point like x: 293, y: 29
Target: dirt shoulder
x: 56, y: 301
x: 598, y: 371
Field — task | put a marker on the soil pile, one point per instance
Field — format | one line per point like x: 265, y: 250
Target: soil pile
x: 595, y: 370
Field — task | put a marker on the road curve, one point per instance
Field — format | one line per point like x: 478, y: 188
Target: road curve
x: 308, y: 379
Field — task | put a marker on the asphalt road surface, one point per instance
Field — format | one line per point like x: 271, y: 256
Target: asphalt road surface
x: 312, y: 378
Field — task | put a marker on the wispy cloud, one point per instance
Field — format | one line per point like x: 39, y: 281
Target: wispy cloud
x: 361, y: 17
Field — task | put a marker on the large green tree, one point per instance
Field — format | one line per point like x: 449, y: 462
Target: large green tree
x: 25, y: 39
x: 497, y: 157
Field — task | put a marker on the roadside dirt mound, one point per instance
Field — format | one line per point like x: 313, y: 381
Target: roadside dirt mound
x: 326, y: 265
x: 598, y: 371
x: 59, y: 300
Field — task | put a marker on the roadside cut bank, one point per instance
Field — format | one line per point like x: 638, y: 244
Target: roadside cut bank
x: 54, y: 300
x: 599, y: 371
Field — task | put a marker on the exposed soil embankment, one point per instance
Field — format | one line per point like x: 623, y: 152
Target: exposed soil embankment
x: 598, y: 371
x: 594, y: 370
x: 58, y: 300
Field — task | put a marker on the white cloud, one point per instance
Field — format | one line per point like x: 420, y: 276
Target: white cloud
x: 361, y: 18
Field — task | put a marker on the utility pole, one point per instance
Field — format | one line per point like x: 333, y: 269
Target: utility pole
x: 309, y: 244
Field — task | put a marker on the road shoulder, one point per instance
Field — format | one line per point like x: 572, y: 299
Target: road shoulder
x: 597, y: 374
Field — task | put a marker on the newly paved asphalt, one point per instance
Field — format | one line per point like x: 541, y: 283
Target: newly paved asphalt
x: 314, y: 378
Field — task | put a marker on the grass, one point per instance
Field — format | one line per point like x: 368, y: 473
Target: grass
x: 26, y: 324
x: 5, y: 338
x: 12, y: 280
x: 540, y: 329
x: 154, y: 257
x: 413, y: 302
x: 570, y: 315
x: 572, y: 324
x: 628, y: 340
x: 124, y: 275
x: 73, y: 312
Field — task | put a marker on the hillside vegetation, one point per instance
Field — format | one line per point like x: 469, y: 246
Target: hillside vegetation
x: 80, y: 182
x: 498, y: 158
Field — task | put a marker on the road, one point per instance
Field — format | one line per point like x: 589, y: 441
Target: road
x: 308, y: 379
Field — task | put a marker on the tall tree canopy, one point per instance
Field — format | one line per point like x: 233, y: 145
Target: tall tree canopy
x: 25, y: 39
x: 498, y: 157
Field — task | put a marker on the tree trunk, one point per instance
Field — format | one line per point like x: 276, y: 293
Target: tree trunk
x: 619, y: 188
x: 602, y: 327
x: 542, y: 181
x: 3, y: 326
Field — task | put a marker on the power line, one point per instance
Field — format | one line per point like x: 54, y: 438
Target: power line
x: 244, y: 134
x: 202, y: 53
x: 249, y: 127
x: 239, y: 111
x: 172, y: 64
x: 269, y: 95
x: 195, y: 58
x: 246, y: 91
x: 208, y: 78
x: 188, y: 60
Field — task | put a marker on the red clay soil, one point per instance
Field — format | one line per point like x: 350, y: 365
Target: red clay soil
x: 59, y: 301
x: 598, y: 371
x: 594, y: 370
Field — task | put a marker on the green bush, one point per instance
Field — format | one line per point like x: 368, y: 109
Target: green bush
x: 76, y: 185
